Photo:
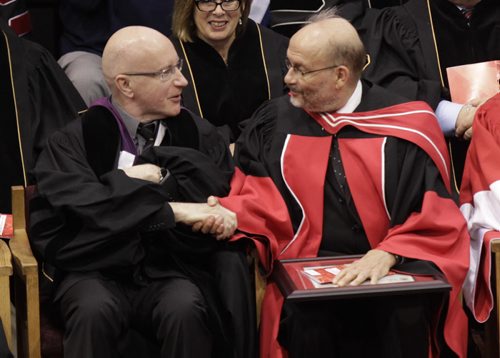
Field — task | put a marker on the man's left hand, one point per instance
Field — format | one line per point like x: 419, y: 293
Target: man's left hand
x: 373, y: 266
x: 463, y: 126
x: 464, y: 122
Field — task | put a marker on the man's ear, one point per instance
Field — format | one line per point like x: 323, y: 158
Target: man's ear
x: 343, y: 75
x: 123, y: 84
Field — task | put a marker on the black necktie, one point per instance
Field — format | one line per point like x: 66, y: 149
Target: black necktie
x: 467, y: 14
x: 147, y: 131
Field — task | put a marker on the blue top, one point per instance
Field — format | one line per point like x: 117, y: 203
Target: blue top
x: 87, y: 25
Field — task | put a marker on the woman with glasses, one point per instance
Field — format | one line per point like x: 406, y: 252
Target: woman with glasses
x: 232, y: 64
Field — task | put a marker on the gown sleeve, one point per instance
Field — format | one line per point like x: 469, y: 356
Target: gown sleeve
x: 79, y: 221
x: 260, y: 208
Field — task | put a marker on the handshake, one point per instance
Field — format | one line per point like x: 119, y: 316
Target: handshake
x: 208, y: 218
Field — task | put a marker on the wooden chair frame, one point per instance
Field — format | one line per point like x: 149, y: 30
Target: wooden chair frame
x: 492, y: 329
x: 5, y: 273
x: 26, y: 290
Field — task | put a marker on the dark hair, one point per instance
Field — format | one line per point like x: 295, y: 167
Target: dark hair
x: 183, y: 26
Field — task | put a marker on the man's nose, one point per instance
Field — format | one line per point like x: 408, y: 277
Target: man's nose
x: 180, y: 80
x: 290, y: 77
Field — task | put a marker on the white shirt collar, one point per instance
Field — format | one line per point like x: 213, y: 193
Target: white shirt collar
x: 353, y: 101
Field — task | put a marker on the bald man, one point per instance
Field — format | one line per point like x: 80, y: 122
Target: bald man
x: 340, y: 166
x: 110, y: 213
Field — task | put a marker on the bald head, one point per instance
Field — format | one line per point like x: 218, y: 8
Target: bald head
x: 142, y: 70
x: 134, y: 49
x: 334, y: 39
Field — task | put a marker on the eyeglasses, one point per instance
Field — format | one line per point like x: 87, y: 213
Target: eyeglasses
x: 289, y: 66
x: 210, y: 5
x: 164, y: 74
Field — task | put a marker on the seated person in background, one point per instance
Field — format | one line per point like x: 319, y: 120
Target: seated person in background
x: 37, y: 98
x: 479, y: 202
x: 341, y: 166
x: 232, y: 63
x: 87, y: 25
x: 110, y: 215
x: 259, y: 11
x: 15, y: 13
x: 412, y: 45
x: 288, y: 16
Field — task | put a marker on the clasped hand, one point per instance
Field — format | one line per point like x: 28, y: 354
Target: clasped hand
x: 208, y: 218
x: 374, y: 265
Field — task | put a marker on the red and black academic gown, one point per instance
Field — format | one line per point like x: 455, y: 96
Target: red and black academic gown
x: 479, y: 202
x: 278, y: 194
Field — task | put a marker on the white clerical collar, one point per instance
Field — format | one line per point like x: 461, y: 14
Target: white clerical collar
x: 353, y: 101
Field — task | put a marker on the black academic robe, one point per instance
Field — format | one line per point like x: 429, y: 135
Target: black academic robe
x: 288, y: 16
x: 36, y: 99
x: 283, y: 194
x: 227, y: 94
x: 411, y: 46
x: 91, y: 218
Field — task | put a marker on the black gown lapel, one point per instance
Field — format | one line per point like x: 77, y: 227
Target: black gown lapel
x: 101, y: 138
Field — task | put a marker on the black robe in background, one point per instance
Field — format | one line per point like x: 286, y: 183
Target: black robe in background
x: 230, y: 93
x: 91, y: 218
x: 402, y: 43
x: 288, y: 16
x: 36, y: 99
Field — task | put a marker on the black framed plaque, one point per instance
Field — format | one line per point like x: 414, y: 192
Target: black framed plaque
x: 296, y: 284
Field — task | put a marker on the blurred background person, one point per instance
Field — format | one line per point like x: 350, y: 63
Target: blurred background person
x: 232, y: 64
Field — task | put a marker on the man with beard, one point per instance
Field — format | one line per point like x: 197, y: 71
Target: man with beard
x: 341, y: 166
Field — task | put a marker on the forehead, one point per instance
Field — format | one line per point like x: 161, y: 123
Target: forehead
x: 304, y: 53
x: 160, y: 56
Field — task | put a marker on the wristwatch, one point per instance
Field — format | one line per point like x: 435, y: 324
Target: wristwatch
x: 164, y: 174
x: 399, y: 259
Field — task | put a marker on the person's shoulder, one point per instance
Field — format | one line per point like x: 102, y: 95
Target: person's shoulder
x: 271, y: 34
x: 278, y: 114
x: 273, y: 107
x: 96, y: 113
x: 187, y: 115
x: 187, y: 119
x: 271, y: 40
x: 381, y: 96
x: 400, y: 19
x: 66, y: 135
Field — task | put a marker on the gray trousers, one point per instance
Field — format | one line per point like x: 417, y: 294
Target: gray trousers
x: 84, y: 69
